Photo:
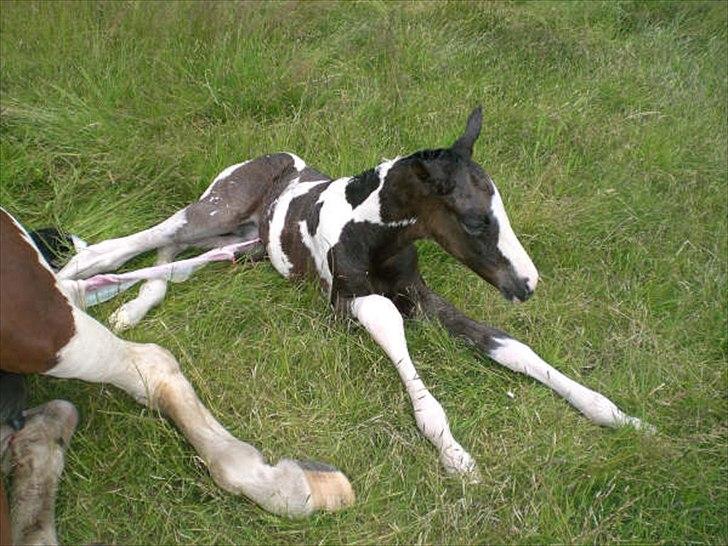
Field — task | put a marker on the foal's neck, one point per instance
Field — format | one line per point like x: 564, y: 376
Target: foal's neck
x: 397, y: 212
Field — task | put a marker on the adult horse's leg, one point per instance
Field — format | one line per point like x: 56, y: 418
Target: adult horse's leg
x: 520, y: 358
x: 152, y: 376
x: 383, y: 321
x: 35, y: 462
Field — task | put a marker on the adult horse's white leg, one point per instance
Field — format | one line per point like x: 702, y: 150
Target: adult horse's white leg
x: 384, y: 322
x: 152, y: 376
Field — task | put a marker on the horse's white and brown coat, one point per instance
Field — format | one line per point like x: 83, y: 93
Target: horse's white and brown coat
x: 356, y: 236
x: 43, y: 330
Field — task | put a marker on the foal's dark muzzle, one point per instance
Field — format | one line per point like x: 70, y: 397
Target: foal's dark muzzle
x: 517, y: 290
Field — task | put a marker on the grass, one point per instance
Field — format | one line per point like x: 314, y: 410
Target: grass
x: 606, y: 131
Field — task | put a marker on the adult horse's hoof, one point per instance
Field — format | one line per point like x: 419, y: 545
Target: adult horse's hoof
x: 330, y: 488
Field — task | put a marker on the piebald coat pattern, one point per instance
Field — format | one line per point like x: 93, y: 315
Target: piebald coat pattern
x: 356, y: 235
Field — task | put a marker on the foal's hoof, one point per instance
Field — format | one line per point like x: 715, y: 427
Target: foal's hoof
x: 121, y: 319
x: 460, y: 463
x: 330, y: 489
x: 639, y: 424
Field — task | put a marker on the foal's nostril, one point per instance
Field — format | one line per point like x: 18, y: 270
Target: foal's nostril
x: 527, y: 285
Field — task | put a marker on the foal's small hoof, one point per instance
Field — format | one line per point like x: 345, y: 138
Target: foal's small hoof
x: 640, y: 425
x: 330, y: 488
x: 462, y: 465
x: 120, y: 320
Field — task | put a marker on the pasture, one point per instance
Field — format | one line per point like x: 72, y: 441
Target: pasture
x: 606, y: 132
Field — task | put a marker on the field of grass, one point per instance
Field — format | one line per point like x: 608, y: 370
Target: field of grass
x: 606, y: 130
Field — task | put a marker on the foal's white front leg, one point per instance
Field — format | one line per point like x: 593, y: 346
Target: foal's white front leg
x: 521, y: 358
x: 597, y: 407
x: 384, y: 322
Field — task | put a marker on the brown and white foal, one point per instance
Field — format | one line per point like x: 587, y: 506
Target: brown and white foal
x: 356, y: 235
x: 43, y: 331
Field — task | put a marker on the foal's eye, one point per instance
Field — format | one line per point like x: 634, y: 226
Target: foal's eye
x: 475, y: 225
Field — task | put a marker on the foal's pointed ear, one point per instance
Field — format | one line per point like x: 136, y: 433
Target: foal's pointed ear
x: 464, y: 145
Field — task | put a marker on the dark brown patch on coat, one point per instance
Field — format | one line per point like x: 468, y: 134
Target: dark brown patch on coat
x: 301, y: 209
x: 35, y: 318
x: 236, y: 198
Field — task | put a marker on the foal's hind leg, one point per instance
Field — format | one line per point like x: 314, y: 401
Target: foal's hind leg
x: 232, y: 200
x: 185, y: 227
x: 151, y: 293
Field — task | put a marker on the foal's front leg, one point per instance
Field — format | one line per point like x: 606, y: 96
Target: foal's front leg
x: 384, y: 322
x: 521, y: 358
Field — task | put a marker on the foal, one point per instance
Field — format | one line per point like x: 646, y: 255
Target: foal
x: 356, y: 235
x: 43, y: 330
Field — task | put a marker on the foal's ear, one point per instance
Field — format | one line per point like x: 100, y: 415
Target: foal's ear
x: 464, y: 145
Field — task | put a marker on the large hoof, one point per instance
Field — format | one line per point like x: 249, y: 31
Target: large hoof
x: 55, y: 420
x: 330, y: 488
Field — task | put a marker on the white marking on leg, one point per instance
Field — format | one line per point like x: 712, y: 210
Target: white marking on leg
x: 110, y: 254
x: 178, y: 271
x: 150, y: 295
x: 510, y: 246
x: 152, y: 376
x: 597, y: 407
x: 383, y: 321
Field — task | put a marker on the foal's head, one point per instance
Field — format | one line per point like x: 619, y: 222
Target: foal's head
x: 462, y: 210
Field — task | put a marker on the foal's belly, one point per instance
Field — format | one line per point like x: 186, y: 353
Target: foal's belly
x: 290, y: 226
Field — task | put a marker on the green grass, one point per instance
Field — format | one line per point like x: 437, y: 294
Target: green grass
x: 605, y: 128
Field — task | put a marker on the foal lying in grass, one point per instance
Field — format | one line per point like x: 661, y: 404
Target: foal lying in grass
x: 356, y: 235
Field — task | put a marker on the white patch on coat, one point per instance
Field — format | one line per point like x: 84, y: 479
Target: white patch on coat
x: 277, y: 222
x: 222, y: 176
x: 336, y: 212
x: 298, y: 163
x: 510, y: 246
